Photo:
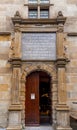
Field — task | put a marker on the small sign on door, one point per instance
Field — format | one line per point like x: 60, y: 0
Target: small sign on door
x: 32, y: 96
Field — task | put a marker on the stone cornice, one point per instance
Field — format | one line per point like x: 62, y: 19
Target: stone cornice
x: 38, y: 21
x: 5, y: 33
x: 38, y: 4
x: 18, y: 20
x: 72, y: 34
x: 39, y: 60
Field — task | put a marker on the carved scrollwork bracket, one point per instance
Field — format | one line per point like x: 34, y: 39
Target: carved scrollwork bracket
x: 12, y: 48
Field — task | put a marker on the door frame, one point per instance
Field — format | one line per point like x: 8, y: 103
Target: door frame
x: 49, y: 69
x: 45, y: 118
x: 35, y: 76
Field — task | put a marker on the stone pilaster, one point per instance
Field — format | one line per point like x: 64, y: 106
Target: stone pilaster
x: 63, y: 122
x: 61, y: 84
x: 17, y: 43
x: 15, y: 107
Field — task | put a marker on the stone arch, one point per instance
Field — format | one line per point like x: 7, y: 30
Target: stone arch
x: 50, y: 70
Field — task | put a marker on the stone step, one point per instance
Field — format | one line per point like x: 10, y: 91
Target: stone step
x: 39, y: 128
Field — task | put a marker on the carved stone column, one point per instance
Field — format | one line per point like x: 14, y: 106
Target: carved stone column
x: 15, y: 107
x: 62, y: 109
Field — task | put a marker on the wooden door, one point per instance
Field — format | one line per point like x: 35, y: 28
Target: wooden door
x: 32, y: 99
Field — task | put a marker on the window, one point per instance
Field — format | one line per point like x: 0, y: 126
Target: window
x: 38, y: 9
x: 44, y: 1
x: 33, y: 13
x: 44, y: 13
x: 33, y: 1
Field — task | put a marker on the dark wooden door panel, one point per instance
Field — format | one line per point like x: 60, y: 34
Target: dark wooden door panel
x: 32, y: 99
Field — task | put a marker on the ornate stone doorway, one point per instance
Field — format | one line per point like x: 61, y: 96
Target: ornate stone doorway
x: 22, y: 67
x: 38, y: 99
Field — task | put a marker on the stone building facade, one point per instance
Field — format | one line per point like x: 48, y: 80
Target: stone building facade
x: 19, y: 30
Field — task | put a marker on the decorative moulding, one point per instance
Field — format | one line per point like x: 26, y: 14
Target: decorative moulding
x: 17, y: 19
x: 72, y: 34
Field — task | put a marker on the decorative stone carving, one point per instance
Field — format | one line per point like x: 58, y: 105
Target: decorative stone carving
x: 60, y: 28
x: 46, y: 67
x: 60, y: 15
x: 62, y: 108
x: 38, y: 66
x: 17, y: 27
x: 12, y: 49
x: 60, y: 21
x: 17, y: 15
x: 65, y: 53
x: 60, y: 18
x: 61, y: 63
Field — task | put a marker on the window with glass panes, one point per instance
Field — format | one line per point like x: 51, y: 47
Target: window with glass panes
x: 32, y: 1
x: 44, y: 1
x: 38, y: 11
x: 33, y: 13
x: 44, y: 13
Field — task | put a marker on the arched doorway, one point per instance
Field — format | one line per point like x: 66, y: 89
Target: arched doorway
x: 38, y: 99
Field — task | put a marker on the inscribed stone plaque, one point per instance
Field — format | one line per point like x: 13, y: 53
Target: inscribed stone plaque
x: 38, y: 46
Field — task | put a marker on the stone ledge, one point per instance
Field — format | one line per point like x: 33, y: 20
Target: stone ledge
x: 62, y: 108
x: 15, y: 107
x: 72, y: 34
x: 61, y: 128
x: 14, y: 128
x: 5, y: 33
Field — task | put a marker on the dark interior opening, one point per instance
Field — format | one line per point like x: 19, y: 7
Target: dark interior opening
x: 44, y: 98
x: 73, y: 123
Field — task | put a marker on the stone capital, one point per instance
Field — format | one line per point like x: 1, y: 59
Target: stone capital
x: 61, y: 63
x: 60, y: 28
x: 15, y: 62
x: 17, y: 27
x: 62, y: 107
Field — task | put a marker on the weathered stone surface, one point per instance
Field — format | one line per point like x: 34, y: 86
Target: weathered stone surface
x: 72, y: 1
x: 7, y: 10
